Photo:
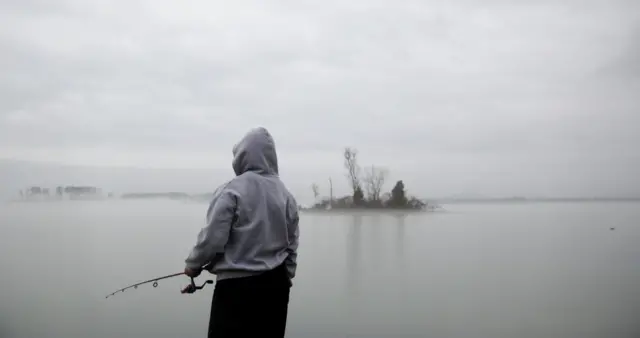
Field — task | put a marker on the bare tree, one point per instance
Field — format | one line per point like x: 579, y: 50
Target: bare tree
x: 374, y: 181
x: 316, y: 191
x: 353, y: 169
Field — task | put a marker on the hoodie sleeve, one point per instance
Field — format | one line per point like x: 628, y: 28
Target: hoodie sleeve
x: 293, y: 231
x: 213, y: 237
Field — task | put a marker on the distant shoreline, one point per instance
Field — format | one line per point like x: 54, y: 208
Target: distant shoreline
x: 536, y: 200
x: 355, y: 211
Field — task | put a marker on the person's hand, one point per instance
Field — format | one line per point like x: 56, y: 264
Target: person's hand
x: 193, y: 273
x: 188, y: 289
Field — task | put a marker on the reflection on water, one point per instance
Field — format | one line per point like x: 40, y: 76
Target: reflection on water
x: 354, y: 237
x: 353, y: 270
x: 376, y: 242
x: 375, y: 271
x: 376, y: 225
x: 400, y: 242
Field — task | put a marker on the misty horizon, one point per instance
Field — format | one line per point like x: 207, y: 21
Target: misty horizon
x: 124, y: 180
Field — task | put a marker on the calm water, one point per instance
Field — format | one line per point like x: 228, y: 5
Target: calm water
x: 520, y: 270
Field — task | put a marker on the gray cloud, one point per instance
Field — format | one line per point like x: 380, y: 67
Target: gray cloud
x: 436, y: 87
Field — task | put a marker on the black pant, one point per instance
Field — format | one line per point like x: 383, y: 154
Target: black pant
x: 253, y: 306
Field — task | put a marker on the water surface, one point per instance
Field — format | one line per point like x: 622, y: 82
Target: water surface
x: 498, y: 270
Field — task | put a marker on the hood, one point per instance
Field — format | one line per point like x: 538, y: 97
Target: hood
x: 256, y: 152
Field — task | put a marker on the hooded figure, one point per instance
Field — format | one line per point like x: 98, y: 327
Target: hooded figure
x: 250, y: 243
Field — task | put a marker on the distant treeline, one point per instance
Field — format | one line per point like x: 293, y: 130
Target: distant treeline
x: 73, y: 192
x: 167, y: 195
x: 537, y: 199
x: 170, y: 195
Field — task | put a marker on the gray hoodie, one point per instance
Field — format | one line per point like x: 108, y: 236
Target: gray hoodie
x: 252, y: 221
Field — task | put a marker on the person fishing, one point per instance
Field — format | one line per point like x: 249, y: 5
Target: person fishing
x: 250, y: 243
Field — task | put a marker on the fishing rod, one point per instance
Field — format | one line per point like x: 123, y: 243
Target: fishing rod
x: 191, y: 288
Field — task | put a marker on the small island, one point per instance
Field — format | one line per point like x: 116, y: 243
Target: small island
x: 366, y: 191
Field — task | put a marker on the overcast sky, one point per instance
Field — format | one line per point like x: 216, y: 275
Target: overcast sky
x: 528, y: 97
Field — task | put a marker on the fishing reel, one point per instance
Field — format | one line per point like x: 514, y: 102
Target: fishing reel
x: 191, y: 288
